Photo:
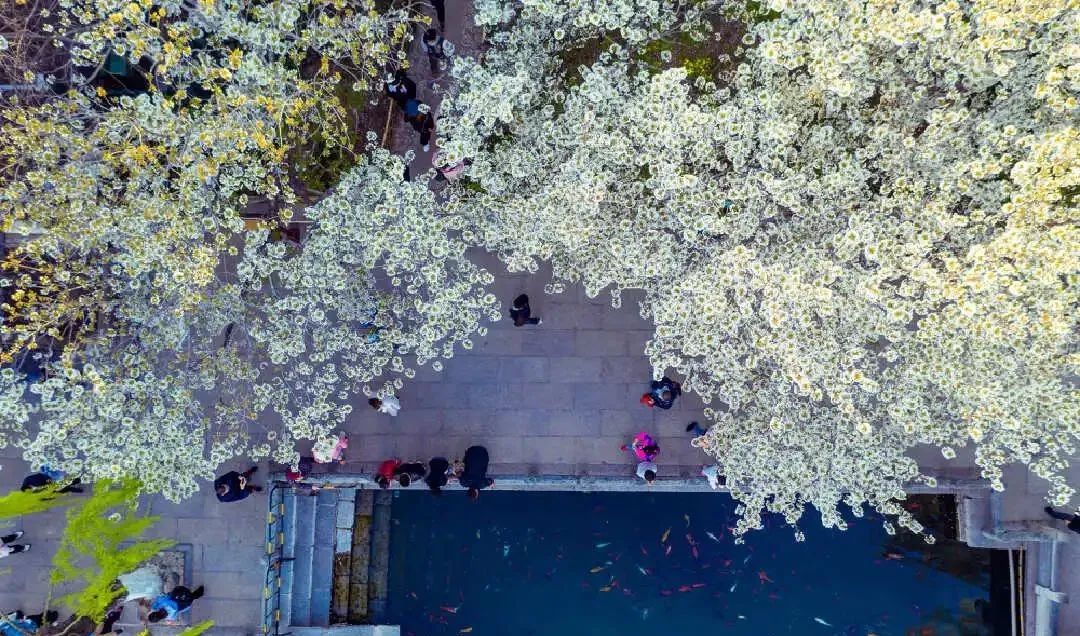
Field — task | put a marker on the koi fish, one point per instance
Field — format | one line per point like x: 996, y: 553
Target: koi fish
x: 599, y: 568
x: 413, y: 595
x: 744, y: 561
x: 685, y: 588
x: 644, y: 552
x: 764, y: 578
x: 644, y: 571
x: 452, y: 610
x: 693, y: 551
x: 668, y: 551
x: 818, y: 620
x: 687, y: 517
x: 466, y: 630
x: 733, y: 586
x: 894, y: 556
x: 697, y: 585
x: 477, y: 534
x: 606, y: 588
x: 711, y: 536
x: 690, y: 538
x: 742, y: 617
x: 603, y: 545
x: 665, y: 592
x: 506, y: 550
x: 663, y: 537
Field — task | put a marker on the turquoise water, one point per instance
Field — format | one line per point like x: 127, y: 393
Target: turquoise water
x: 532, y: 564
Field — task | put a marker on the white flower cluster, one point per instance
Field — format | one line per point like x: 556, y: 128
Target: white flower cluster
x: 862, y: 237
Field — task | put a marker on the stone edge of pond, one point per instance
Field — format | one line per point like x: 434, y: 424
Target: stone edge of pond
x: 606, y: 483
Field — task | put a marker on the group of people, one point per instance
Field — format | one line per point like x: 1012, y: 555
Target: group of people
x: 470, y: 472
x: 37, y: 482
x: 402, y: 89
x: 143, y: 585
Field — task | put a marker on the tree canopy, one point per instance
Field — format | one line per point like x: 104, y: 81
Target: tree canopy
x: 855, y: 226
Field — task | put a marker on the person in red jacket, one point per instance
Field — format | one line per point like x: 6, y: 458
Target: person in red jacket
x: 385, y: 474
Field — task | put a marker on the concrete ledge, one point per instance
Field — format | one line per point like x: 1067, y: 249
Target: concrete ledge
x: 603, y: 483
x: 347, y: 630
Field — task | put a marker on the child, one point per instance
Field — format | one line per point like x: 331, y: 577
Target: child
x: 643, y: 447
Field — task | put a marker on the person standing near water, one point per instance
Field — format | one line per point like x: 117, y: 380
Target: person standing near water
x: 438, y: 469
x: 647, y: 471
x: 409, y: 472
x: 474, y: 476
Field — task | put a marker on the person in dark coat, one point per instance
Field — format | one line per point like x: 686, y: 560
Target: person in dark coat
x: 1074, y: 520
x: 521, y: 313
x: 234, y: 486
x: 474, y: 476
x: 402, y: 89
x: 409, y: 472
x: 39, y: 481
x: 664, y: 392
x: 435, y: 47
x: 436, y: 476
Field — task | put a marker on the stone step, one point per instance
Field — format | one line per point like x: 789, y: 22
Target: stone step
x: 378, y: 588
x: 360, y: 558
x: 322, y: 558
x: 343, y: 532
x: 303, y: 554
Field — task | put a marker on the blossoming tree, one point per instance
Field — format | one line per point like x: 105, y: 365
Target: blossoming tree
x: 171, y: 337
x: 857, y: 232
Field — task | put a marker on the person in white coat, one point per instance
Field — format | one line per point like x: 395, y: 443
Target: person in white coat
x: 388, y: 404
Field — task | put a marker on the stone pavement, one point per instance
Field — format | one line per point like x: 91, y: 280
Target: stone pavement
x: 226, y: 548
x: 556, y: 399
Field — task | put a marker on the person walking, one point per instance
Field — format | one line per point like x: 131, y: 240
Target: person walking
x: 19, y: 624
x: 437, y: 475
x: 400, y: 88
x: 662, y: 393
x: 234, y: 486
x: 419, y: 116
x: 647, y: 471
x: 521, y: 313
x: 168, y: 606
x: 1073, y: 520
x: 474, y: 474
x: 695, y: 429
x: 389, y: 405
x: 438, y: 51
x: 330, y: 449
x: 712, y: 475
x: 385, y: 473
x: 9, y: 547
x: 409, y: 472
x: 39, y: 481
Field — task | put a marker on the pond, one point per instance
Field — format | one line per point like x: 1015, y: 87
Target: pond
x: 543, y: 563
